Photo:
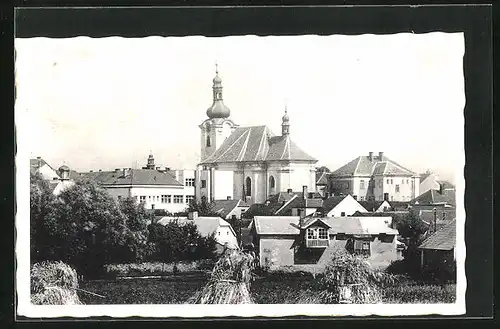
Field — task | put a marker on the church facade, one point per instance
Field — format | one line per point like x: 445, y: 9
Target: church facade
x: 248, y: 163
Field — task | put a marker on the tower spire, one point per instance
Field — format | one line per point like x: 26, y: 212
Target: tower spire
x: 218, y: 109
x: 285, y: 122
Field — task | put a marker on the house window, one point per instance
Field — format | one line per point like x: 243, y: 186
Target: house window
x: 362, y: 247
x: 209, y: 142
x: 166, y: 199
x: 387, y: 181
x: 189, y: 182
x: 397, y: 188
x: 142, y: 198
x: 407, y: 181
x: 342, y: 214
x: 248, y: 187
x: 189, y: 198
x: 392, y: 182
x: 362, y: 198
x: 362, y: 184
x: 203, y: 183
x: 317, y: 233
x: 272, y: 183
x: 355, y: 197
x: 178, y: 198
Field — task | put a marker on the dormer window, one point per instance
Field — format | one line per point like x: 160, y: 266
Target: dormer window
x: 317, y: 237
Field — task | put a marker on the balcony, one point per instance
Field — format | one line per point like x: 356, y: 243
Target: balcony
x: 317, y: 243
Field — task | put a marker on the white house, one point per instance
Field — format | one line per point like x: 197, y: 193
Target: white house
x: 41, y: 167
x: 222, y: 230
x: 155, y: 187
x: 341, y: 206
x: 375, y: 177
x: 248, y: 163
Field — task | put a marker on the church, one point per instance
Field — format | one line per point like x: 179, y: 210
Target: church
x: 248, y: 163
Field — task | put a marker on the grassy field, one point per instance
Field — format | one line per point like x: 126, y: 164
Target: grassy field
x: 178, y: 290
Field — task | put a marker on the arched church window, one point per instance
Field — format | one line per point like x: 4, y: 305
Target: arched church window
x: 209, y: 142
x: 248, y: 187
x: 272, y: 183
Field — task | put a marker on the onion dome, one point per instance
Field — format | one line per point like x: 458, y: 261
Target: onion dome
x: 63, y: 168
x: 218, y: 108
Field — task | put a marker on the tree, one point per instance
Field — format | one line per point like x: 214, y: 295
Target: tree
x: 175, y: 242
x: 203, y: 207
x: 323, y: 169
x: 83, y: 227
x: 136, y: 247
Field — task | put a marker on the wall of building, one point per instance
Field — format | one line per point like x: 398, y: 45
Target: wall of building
x: 223, y: 180
x: 341, y: 185
x: 225, y: 235
x: 47, y: 172
x: 276, y: 251
x: 348, y: 206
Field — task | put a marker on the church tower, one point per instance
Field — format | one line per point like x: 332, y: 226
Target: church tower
x: 285, y: 124
x: 218, y: 126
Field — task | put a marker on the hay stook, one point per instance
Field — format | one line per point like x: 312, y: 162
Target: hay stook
x: 54, y: 283
x: 229, y: 282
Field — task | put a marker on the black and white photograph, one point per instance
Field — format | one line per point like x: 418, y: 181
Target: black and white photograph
x: 278, y: 175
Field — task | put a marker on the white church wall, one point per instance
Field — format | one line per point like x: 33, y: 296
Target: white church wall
x: 223, y: 180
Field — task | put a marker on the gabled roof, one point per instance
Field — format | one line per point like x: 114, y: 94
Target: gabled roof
x: 276, y: 225
x: 431, y: 197
x: 257, y: 143
x: 321, y: 178
x: 224, y: 207
x: 133, y: 177
x: 205, y: 225
x: 299, y: 202
x: 442, y: 239
x: 289, y: 225
x: 361, y: 225
x: 371, y: 205
x: 427, y: 216
x: 332, y: 202
x: 363, y: 166
x: 446, y: 185
x: 310, y: 221
x: 36, y: 163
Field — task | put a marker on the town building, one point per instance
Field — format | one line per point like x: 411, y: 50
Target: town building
x: 153, y: 186
x: 443, y: 197
x: 229, y: 208
x: 341, y: 206
x: 207, y: 226
x: 288, y: 241
x: 41, y: 167
x: 322, y: 182
x: 376, y: 178
x: 248, y: 163
x: 376, y: 206
x: 431, y: 181
x: 439, y: 249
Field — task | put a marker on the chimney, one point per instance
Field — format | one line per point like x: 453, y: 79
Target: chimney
x: 124, y: 172
x: 370, y: 155
x: 304, y: 192
x: 158, y: 168
x: 91, y: 171
x: 381, y: 155
x: 228, y: 197
x: 167, y: 169
x: 193, y: 215
x: 100, y: 170
x: 39, y: 161
x: 441, y: 188
x: 435, y: 219
x: 289, y: 191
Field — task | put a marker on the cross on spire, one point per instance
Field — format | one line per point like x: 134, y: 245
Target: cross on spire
x: 216, y: 68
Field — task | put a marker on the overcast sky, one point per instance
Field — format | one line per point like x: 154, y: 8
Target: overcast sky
x: 105, y: 103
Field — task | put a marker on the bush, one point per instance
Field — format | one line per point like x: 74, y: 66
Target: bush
x: 421, y: 294
x: 157, y: 268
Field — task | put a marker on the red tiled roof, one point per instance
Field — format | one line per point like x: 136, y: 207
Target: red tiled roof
x: 431, y: 197
x: 442, y: 239
x: 224, y: 207
x: 362, y: 166
x: 257, y: 143
x: 133, y: 177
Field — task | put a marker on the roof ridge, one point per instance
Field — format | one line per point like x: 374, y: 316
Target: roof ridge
x: 260, y: 144
x: 227, y: 149
x: 357, y: 165
x: 286, y: 204
x: 245, y: 144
